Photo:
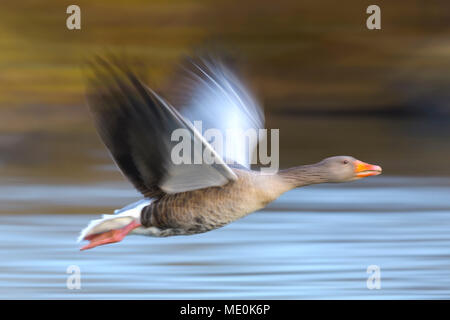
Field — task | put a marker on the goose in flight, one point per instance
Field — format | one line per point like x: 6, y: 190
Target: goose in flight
x: 183, y: 198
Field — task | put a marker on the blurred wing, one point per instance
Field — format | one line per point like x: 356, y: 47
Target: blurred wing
x: 136, y: 126
x: 212, y: 93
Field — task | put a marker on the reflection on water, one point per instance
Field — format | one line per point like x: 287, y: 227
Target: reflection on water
x: 315, y: 242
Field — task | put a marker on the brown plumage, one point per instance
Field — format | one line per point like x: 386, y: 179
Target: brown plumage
x: 137, y: 125
x: 210, y: 208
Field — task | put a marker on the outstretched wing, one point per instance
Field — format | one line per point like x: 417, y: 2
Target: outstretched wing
x: 208, y: 91
x: 136, y: 126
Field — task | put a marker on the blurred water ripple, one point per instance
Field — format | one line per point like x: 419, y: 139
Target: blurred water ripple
x: 315, y: 242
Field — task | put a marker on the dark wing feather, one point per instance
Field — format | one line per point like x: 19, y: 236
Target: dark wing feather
x: 122, y: 108
x: 136, y: 125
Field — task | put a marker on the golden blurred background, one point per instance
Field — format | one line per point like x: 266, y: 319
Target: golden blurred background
x: 331, y: 85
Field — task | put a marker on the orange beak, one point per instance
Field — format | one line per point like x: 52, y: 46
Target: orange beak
x: 363, y: 169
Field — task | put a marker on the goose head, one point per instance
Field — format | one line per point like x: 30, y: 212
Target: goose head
x: 346, y: 168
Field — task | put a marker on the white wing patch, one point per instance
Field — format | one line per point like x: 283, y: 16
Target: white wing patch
x: 221, y: 101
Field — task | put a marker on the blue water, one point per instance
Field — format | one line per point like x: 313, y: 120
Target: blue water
x: 313, y: 243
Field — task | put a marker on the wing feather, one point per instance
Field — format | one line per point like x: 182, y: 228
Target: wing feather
x: 136, y: 125
x: 209, y: 91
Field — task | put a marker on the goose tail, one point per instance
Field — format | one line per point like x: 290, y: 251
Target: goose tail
x: 127, y: 216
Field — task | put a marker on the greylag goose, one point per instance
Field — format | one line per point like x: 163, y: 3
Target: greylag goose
x: 136, y: 125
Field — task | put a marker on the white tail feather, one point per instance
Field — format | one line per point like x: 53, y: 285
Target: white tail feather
x: 119, y: 220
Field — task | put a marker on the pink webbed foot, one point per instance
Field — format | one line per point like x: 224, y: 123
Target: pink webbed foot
x: 111, y: 236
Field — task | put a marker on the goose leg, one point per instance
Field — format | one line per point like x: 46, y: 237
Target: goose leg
x: 110, y: 236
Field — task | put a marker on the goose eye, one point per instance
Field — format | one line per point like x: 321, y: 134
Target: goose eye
x: 345, y: 161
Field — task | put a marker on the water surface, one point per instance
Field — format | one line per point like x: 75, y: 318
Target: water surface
x: 314, y: 242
